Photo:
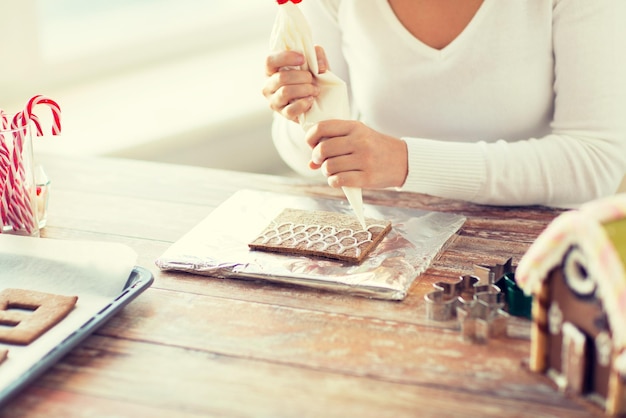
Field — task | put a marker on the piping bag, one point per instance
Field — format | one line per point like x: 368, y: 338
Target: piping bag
x: 291, y: 31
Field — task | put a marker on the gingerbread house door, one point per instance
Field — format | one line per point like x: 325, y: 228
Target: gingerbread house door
x: 574, y: 358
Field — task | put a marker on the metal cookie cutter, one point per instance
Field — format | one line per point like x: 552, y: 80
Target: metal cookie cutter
x: 476, y: 305
x: 441, y: 303
x: 492, y: 273
x: 503, y: 275
x: 483, y: 317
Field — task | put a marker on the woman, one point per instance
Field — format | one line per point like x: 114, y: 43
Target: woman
x: 510, y: 103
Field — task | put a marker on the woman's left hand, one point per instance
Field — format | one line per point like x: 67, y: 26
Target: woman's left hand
x: 351, y: 154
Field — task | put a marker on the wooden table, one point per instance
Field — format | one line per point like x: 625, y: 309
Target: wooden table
x: 193, y: 346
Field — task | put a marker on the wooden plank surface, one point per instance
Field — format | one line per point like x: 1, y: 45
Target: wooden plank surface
x: 194, y: 346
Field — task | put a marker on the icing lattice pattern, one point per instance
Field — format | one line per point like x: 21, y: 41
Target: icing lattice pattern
x: 318, y: 237
x: 324, y: 234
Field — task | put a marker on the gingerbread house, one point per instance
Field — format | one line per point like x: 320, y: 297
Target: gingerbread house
x: 576, y: 272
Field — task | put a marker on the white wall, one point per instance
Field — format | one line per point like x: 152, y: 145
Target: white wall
x: 181, y: 87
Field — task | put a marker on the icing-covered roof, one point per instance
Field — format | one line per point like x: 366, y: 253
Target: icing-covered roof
x: 584, y: 228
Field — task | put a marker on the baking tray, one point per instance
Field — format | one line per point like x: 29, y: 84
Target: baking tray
x: 138, y: 281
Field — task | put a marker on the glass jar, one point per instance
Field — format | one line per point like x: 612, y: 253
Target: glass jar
x: 18, y: 205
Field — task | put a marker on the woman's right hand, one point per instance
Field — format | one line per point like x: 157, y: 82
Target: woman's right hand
x: 289, y: 90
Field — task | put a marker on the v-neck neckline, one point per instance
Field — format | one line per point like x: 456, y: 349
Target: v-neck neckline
x: 420, y: 45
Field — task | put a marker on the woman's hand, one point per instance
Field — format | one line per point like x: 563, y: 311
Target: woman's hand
x: 289, y: 90
x: 352, y: 154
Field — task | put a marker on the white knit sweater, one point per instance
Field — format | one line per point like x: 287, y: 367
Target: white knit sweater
x: 526, y: 106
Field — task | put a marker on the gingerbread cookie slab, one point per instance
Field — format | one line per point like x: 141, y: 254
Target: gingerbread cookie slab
x: 323, y: 234
x: 26, y: 314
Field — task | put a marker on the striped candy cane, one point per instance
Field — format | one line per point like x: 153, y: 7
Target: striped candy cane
x: 17, y: 205
x: 21, y: 210
x: 54, y: 108
x: 5, y: 166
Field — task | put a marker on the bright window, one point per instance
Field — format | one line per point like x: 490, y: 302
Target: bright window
x: 147, y: 79
x: 62, y: 41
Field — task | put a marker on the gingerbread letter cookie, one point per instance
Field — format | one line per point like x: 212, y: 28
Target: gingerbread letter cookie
x: 26, y: 314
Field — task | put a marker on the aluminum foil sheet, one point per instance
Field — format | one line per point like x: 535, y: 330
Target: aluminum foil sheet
x: 218, y: 246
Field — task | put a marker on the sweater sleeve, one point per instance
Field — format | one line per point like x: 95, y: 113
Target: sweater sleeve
x: 584, y: 155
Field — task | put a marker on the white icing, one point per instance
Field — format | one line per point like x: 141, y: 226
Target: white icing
x: 318, y: 237
x: 603, y: 348
x: 576, y: 274
x: 555, y: 318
